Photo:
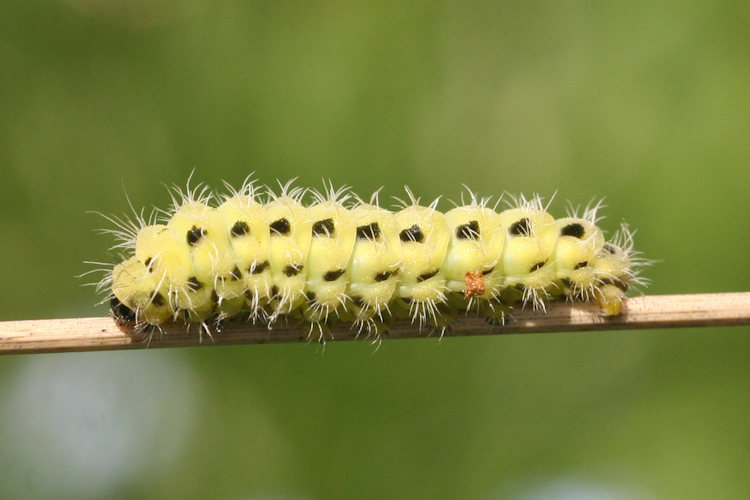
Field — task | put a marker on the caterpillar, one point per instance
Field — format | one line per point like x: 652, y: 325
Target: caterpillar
x: 328, y: 256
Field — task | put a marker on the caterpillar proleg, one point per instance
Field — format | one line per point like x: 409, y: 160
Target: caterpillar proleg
x: 328, y: 256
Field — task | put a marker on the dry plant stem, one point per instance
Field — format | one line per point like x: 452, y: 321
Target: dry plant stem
x: 659, y: 311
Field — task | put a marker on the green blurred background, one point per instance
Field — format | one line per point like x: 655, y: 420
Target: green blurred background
x: 645, y: 103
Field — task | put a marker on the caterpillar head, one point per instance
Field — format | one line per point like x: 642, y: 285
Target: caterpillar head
x: 137, y: 289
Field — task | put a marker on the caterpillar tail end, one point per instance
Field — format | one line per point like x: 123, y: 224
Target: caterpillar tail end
x: 610, y: 299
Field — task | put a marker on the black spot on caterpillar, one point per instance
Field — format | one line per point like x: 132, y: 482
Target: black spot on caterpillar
x: 293, y: 269
x: 469, y: 231
x: 258, y: 268
x: 426, y: 276
x: 369, y: 232
x: 193, y: 284
x: 520, y: 228
x: 575, y: 229
x: 333, y: 275
x: 536, y: 266
x: 414, y: 233
x: 323, y: 228
x: 382, y: 276
x: 240, y: 228
x: 280, y: 226
x: 194, y: 235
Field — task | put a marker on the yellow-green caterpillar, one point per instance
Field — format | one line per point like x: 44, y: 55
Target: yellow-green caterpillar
x: 328, y: 256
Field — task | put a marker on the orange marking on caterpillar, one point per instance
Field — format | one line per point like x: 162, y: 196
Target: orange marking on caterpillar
x: 474, y: 285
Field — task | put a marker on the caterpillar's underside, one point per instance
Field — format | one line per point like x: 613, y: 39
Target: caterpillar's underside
x: 342, y: 259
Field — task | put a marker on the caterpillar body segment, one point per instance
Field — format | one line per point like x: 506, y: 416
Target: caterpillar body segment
x: 341, y: 259
x: 169, y: 264
x: 476, y: 245
x: 374, y: 265
x: 289, y: 245
x: 333, y: 236
x: 247, y: 229
x: 213, y: 261
x: 422, y: 287
x: 574, y: 258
